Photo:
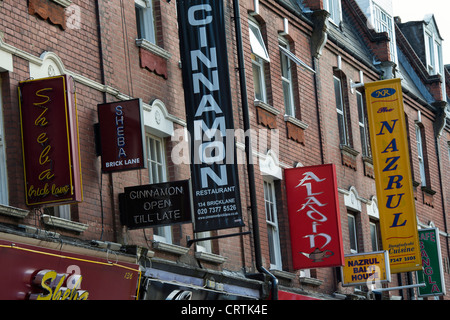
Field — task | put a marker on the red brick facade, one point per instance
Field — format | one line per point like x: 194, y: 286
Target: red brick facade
x: 95, y: 42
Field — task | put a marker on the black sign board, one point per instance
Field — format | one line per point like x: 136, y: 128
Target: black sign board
x: 122, y: 135
x: 209, y: 113
x: 156, y: 205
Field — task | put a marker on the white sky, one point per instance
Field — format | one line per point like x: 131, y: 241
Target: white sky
x: 413, y: 10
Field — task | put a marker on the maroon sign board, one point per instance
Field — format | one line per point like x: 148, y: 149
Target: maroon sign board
x: 314, y: 218
x: 34, y: 273
x: 122, y: 135
x: 50, y: 146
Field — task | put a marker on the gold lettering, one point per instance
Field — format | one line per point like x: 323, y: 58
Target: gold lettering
x: 39, y: 192
x: 41, y: 278
x: 43, y: 158
x: 56, y: 191
x: 46, y: 174
x: 52, y: 284
x: 41, y: 121
x: 42, y: 96
x: 42, y: 138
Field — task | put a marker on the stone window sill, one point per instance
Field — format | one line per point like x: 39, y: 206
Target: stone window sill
x: 296, y: 122
x: 349, y: 156
x: 171, y: 248
x: 283, y: 274
x: 13, y: 212
x: 153, y: 48
x: 210, y: 257
x: 311, y: 281
x: 64, y: 223
x: 267, y: 107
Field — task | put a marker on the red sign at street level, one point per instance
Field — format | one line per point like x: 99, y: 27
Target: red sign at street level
x: 314, y: 217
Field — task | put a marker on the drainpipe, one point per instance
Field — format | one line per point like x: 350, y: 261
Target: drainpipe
x: 102, y: 74
x: 248, y: 151
x: 441, y: 120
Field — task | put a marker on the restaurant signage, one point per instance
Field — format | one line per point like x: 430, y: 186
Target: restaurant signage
x: 50, y: 146
x: 365, y: 268
x: 314, y: 217
x: 209, y: 115
x: 36, y: 273
x: 156, y: 205
x: 433, y: 272
x: 122, y: 135
x: 393, y: 178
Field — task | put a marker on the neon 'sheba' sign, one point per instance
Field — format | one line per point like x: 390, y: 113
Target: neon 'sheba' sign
x: 314, y: 218
x: 209, y: 114
x: 50, y: 146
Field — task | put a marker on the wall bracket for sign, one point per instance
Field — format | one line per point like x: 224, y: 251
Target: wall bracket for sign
x: 190, y: 241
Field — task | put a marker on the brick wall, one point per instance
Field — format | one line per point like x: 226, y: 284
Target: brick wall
x: 79, y: 50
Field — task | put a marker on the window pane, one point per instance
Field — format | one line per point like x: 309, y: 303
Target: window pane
x: 257, y: 43
x: 139, y: 22
x: 340, y: 111
x: 365, y: 151
x: 287, y: 98
x: 271, y: 245
x: 362, y: 125
x: 272, y: 225
x: 285, y: 72
x: 338, y: 93
x: 341, y: 124
x: 352, y: 233
x: 257, y: 82
x: 145, y: 22
x: 374, y: 236
x: 157, y: 174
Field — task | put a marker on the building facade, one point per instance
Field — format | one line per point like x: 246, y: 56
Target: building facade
x: 304, y: 64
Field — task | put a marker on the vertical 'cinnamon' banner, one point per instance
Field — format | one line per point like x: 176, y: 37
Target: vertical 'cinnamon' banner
x: 50, y: 147
x: 209, y: 115
x: 390, y: 151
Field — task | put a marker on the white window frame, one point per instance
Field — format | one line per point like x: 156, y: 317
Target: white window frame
x: 145, y: 14
x: 62, y: 211
x: 260, y: 57
x: 433, y: 51
x: 429, y: 48
x: 157, y: 171
x: 272, y: 224
x: 206, y: 245
x: 257, y: 43
x: 4, y: 198
x: 420, y: 156
x: 384, y: 22
x: 259, y: 79
x: 286, y: 80
x: 362, y: 121
x: 340, y: 109
x: 334, y: 7
x: 374, y: 235
x: 351, y: 218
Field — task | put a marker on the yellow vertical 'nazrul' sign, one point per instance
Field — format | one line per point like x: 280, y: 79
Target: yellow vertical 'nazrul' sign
x: 390, y: 151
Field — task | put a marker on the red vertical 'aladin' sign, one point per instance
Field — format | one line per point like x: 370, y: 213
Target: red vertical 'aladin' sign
x: 314, y: 217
